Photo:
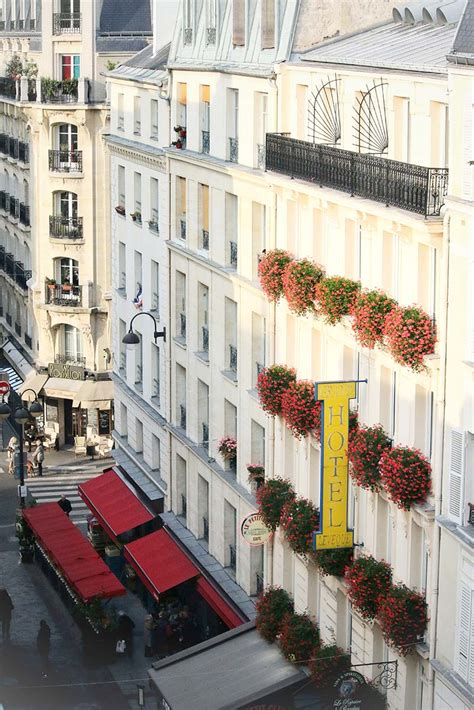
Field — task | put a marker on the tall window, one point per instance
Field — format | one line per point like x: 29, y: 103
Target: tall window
x: 66, y: 138
x: 268, y: 24
x: 205, y: 118
x: 137, y: 117
x: 137, y: 186
x: 66, y: 204
x: 121, y: 185
x: 155, y: 373
x: 67, y: 271
x: 70, y: 66
x: 154, y: 119
x: 154, y: 205
x: 120, y: 114
x: 72, y: 343
x: 238, y: 23
x: 155, y: 287
x: 203, y: 196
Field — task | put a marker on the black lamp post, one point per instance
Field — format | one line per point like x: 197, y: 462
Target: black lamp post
x: 132, y: 338
x: 21, y: 416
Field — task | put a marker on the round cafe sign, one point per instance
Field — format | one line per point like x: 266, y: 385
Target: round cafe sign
x: 254, y: 531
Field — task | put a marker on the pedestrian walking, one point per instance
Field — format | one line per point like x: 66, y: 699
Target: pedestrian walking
x: 12, y: 444
x: 65, y: 504
x: 38, y: 458
x: 148, y: 633
x: 125, y: 631
x: 43, y: 644
x: 6, y: 608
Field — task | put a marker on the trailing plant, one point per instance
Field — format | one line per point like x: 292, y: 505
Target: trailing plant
x: 366, y: 446
x: 403, y: 617
x: 369, y: 581
x: 369, y: 311
x: 410, y: 336
x: 256, y: 472
x: 327, y: 663
x: 270, y: 272
x: 227, y: 447
x: 335, y: 296
x: 299, y: 637
x: 301, y: 412
x: 272, y: 382
x: 300, y: 278
x: 406, y: 476
x: 333, y: 562
x: 299, y: 519
x: 271, y: 497
x: 272, y: 606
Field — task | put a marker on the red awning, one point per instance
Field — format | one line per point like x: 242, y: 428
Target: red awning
x: 218, y: 603
x: 159, y: 562
x: 113, y: 503
x: 71, y: 553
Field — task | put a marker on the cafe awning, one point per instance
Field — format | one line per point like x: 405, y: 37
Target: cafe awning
x: 36, y: 383
x: 94, y: 395
x: 71, y: 554
x: 62, y: 388
x: 159, y: 562
x: 218, y: 603
x: 113, y: 503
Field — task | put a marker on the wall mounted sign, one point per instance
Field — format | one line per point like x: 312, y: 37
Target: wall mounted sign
x: 254, y: 531
x: 66, y: 371
x: 334, y: 398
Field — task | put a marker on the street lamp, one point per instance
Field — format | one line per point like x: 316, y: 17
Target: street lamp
x: 21, y: 416
x: 132, y: 338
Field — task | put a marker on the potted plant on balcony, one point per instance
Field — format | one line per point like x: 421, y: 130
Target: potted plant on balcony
x: 256, y: 474
x: 333, y: 562
x: 299, y: 637
x: 14, y: 67
x: 327, y: 663
x: 120, y: 209
x: 335, y: 297
x: 366, y: 446
x: 270, y: 272
x: 300, y: 278
x: 405, y: 475
x: 227, y: 447
x: 299, y: 519
x: 410, y: 336
x: 66, y: 285
x: 369, y: 311
x: 272, y: 382
x: 368, y: 581
x: 51, y: 284
x: 272, y: 606
x: 271, y: 498
x: 136, y: 216
x: 403, y: 617
x: 302, y: 414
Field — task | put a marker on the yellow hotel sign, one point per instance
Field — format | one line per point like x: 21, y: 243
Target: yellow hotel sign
x: 335, y: 398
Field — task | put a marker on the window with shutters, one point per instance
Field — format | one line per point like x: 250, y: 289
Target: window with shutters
x: 268, y: 24
x: 456, y: 475
x: 465, y: 632
x: 238, y: 23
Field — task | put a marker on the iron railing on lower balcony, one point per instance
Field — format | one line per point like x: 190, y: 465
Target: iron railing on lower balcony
x: 182, y: 416
x: 233, y: 358
x: 259, y: 583
x: 14, y: 207
x: 234, y: 150
x: 22, y: 275
x: 9, y: 264
x: 260, y: 156
x: 66, y: 23
x: 123, y: 361
x: 8, y: 318
x: 4, y: 200
x: 69, y: 358
x: 63, y: 295
x: 9, y: 88
x: 18, y: 329
x: 182, y: 325
x: 210, y: 35
x: 205, y: 240
x: 205, y: 141
x: 65, y: 161
x: 411, y: 187
x: 13, y: 148
x: 4, y: 143
x: 184, y: 505
x: 28, y: 340
x: 2, y: 258
x: 233, y: 251
x: 65, y: 227
x: 23, y: 152
x: 182, y: 228
x: 24, y: 215
x: 155, y: 389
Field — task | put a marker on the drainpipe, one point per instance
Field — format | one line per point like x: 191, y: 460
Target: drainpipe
x: 435, y: 575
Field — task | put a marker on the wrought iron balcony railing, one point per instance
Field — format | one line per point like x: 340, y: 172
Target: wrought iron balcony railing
x: 260, y: 368
x: 65, y: 161
x: 28, y: 340
x: 71, y: 358
x: 23, y: 152
x: 205, y: 528
x: 410, y: 187
x: 210, y: 35
x: 233, y: 254
x: 63, y: 295
x: 233, y: 358
x: 123, y: 361
x: 205, y: 141
x: 182, y: 228
x: 261, y: 156
x: 182, y: 416
x: 188, y: 36
x: 155, y: 390
x: 4, y: 143
x: 205, y: 240
x: 234, y: 150
x: 13, y: 148
x: 66, y: 22
x: 9, y: 88
x: 4, y: 200
x: 2, y: 258
x: 14, y: 207
x: 21, y: 275
x: 259, y: 583
x: 205, y: 339
x: 65, y: 227
x: 182, y: 325
x: 232, y: 557
x: 24, y: 215
x: 205, y: 436
x: 9, y: 264
x: 59, y: 92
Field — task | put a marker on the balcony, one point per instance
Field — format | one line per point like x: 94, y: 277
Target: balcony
x: 410, y: 187
x: 233, y: 254
x: 24, y: 215
x: 65, y: 227
x: 4, y: 143
x: 9, y: 88
x: 182, y: 326
x: 188, y: 36
x: 184, y: 505
x: 233, y: 150
x: 63, y: 295
x: 66, y: 23
x: 233, y: 358
x: 259, y: 583
x: 9, y: 264
x: 55, y: 91
x: 205, y: 240
x: 18, y: 329
x: 14, y: 207
x: 123, y: 361
x: 2, y: 258
x: 21, y: 275
x: 4, y: 201
x: 205, y: 436
x: 28, y: 340
x: 205, y: 339
x: 210, y: 36
x: 13, y: 148
x: 23, y: 152
x: 65, y: 161
x: 182, y: 228
x: 182, y: 416
x: 8, y: 318
x: 155, y: 390
x: 69, y: 359
x: 205, y: 141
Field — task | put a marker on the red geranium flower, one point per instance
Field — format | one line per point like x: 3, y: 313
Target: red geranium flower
x: 270, y: 272
x: 406, y: 476
x: 410, y: 336
x: 272, y: 382
x: 300, y: 279
x: 302, y: 414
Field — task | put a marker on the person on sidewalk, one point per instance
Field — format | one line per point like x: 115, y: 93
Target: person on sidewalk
x: 125, y: 631
x: 38, y: 458
x: 43, y: 644
x: 6, y: 608
x: 65, y: 504
x: 148, y: 633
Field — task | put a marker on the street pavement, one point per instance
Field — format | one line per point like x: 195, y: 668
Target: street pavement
x: 74, y: 683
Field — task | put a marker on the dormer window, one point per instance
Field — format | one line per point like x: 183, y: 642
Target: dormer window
x: 188, y: 22
x: 211, y: 27
x: 238, y: 23
x: 268, y: 24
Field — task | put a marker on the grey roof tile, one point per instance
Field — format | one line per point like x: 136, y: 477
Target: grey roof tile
x: 125, y: 16
x: 464, y: 40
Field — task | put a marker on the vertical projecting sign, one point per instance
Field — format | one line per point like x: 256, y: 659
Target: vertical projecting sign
x: 334, y: 398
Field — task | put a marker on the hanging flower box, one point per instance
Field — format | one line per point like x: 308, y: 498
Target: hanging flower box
x: 299, y: 519
x: 227, y: 447
x: 120, y: 209
x: 405, y: 475
x: 271, y: 497
x: 271, y: 384
x: 270, y: 272
x: 410, y: 336
x: 333, y: 562
x: 403, y: 617
x: 300, y: 279
x: 302, y: 414
x: 299, y: 638
x: 369, y: 581
x: 335, y: 297
x: 366, y: 446
x: 369, y: 312
x: 272, y: 606
x: 328, y: 662
x: 256, y: 473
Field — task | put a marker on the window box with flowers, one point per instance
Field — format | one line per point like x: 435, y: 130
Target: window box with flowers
x: 227, y: 447
x: 256, y: 474
x: 327, y: 663
x: 270, y: 272
x: 406, y: 476
x: 300, y: 279
x: 333, y: 562
x: 403, y: 617
x: 369, y: 312
x: 368, y: 580
x: 410, y: 336
x: 272, y: 606
x: 180, y: 141
x: 271, y: 497
x: 120, y: 209
x: 299, y: 638
x: 302, y: 414
x: 335, y: 296
x: 299, y: 519
x: 272, y: 382
x: 366, y: 446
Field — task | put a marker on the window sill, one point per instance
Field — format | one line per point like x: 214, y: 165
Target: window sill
x: 121, y: 292
x: 180, y: 341
x: 463, y: 533
x: 254, y: 394
x: 203, y: 356
x: 230, y: 375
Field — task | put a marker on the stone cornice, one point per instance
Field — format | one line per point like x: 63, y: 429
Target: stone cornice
x: 136, y: 153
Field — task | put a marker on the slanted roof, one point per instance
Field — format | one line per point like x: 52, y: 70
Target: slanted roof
x: 395, y: 46
x: 464, y: 39
x: 125, y: 16
x: 144, y: 66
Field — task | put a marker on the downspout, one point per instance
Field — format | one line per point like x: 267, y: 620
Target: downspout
x: 435, y: 575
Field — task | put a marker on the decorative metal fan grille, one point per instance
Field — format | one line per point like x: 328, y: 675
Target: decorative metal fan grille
x: 370, y: 120
x: 324, y: 120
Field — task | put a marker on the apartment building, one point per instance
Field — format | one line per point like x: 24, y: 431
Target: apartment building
x: 54, y: 251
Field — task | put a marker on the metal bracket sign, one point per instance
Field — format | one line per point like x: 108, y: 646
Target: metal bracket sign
x: 334, y: 486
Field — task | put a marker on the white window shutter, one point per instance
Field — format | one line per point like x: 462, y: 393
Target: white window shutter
x: 456, y: 476
x: 464, y: 651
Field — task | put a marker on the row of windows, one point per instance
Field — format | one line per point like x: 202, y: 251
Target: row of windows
x: 139, y: 127
x: 137, y: 197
